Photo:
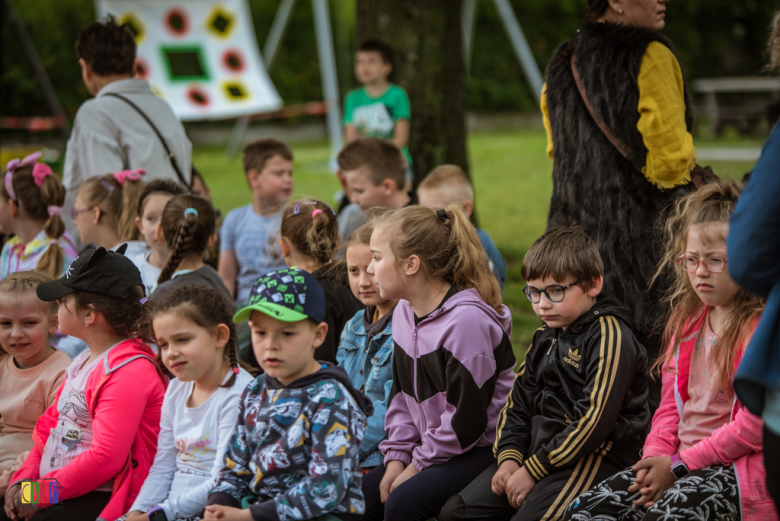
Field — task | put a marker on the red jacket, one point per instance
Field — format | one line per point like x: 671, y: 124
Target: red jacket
x: 739, y: 442
x: 124, y: 397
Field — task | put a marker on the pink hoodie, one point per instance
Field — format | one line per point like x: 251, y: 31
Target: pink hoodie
x: 739, y: 442
x: 124, y: 397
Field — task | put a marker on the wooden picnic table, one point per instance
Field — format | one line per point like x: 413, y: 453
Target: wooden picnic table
x: 717, y: 114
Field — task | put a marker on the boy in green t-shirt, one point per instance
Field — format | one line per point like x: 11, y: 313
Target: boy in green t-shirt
x: 379, y: 108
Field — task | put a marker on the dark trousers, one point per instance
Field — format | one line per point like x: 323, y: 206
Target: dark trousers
x: 772, y: 465
x: 82, y: 508
x: 422, y: 496
x: 547, y: 500
x: 711, y: 493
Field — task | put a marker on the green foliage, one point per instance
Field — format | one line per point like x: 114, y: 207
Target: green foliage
x: 712, y: 38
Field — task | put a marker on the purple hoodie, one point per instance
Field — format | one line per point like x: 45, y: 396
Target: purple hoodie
x: 451, y: 376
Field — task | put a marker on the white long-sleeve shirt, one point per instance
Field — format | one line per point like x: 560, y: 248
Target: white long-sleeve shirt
x: 190, y: 448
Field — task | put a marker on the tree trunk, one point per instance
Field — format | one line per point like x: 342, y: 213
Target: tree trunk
x: 427, y: 45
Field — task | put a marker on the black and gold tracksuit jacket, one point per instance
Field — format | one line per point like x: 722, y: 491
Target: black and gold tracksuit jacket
x: 580, y: 391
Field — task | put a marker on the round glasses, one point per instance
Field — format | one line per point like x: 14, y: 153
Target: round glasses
x: 553, y: 292
x: 691, y: 264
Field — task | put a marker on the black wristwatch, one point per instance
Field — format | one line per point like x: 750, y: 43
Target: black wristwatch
x: 679, y: 468
x: 156, y: 513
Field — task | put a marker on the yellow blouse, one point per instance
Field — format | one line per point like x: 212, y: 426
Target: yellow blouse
x: 670, y: 152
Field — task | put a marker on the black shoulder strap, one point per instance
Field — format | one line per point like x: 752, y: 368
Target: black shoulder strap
x: 171, y: 157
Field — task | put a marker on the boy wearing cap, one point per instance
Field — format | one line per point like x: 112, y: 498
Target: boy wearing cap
x: 294, y: 453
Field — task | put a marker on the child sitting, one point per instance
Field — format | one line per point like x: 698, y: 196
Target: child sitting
x: 452, y: 364
x: 105, y: 210
x: 249, y: 238
x: 310, y: 240
x: 31, y: 200
x: 375, y: 174
x: 703, y: 458
x: 366, y: 349
x: 99, y: 438
x: 294, y: 452
x: 31, y: 371
x: 578, y: 408
x: 151, y: 204
x: 448, y: 184
x: 186, y: 228
x: 193, y: 327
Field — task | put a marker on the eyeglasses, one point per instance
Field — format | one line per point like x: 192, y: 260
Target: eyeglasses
x: 553, y: 292
x: 75, y: 213
x: 690, y: 264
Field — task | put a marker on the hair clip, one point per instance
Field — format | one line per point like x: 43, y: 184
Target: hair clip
x: 315, y: 212
x: 54, y: 210
x: 190, y: 211
x: 297, y: 209
x: 442, y: 214
x: 108, y: 186
x: 235, y: 370
x: 143, y: 300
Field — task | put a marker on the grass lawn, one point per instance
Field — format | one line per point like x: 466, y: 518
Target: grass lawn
x: 512, y: 182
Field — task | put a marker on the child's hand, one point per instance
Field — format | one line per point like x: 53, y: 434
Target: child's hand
x: 518, y: 487
x: 409, y: 472
x: 12, y: 503
x: 501, y: 476
x: 137, y: 515
x: 394, y: 469
x: 226, y: 513
x: 654, y: 477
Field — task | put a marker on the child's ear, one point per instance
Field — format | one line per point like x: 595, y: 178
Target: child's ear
x: 138, y: 224
x: 223, y: 335
x: 286, y: 247
x: 411, y: 265
x: 598, y: 285
x: 468, y: 208
x: 389, y: 186
x: 212, y: 241
x: 158, y: 234
x: 320, y: 333
x: 96, y: 213
x: 14, y: 208
x: 54, y: 324
x: 251, y: 176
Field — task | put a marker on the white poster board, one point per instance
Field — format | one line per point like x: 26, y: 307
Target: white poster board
x: 199, y: 55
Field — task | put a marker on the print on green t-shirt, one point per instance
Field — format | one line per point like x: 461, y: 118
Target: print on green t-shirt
x: 376, y: 117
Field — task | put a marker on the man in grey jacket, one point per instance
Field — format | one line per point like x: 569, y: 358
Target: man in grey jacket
x: 109, y: 135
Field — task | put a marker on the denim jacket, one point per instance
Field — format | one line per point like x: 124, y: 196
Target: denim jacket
x: 370, y: 367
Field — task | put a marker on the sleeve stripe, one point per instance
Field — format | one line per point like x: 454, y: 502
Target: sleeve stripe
x: 609, y: 354
x: 535, y: 468
x: 507, y: 405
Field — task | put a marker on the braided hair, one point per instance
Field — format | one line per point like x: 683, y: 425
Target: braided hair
x: 188, y: 222
x: 206, y: 307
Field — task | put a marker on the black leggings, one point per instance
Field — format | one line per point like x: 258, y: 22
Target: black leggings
x: 422, y: 496
x: 772, y: 465
x: 86, y: 508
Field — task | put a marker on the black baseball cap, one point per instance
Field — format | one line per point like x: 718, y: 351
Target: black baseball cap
x: 289, y: 295
x: 99, y: 271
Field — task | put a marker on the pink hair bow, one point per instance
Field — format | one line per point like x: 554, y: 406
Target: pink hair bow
x: 11, y: 168
x: 40, y: 171
x: 133, y: 175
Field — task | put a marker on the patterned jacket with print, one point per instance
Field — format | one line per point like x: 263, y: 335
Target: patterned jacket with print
x: 295, y: 451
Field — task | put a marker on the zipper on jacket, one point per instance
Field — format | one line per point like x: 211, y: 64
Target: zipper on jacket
x: 416, y: 394
x: 552, y: 344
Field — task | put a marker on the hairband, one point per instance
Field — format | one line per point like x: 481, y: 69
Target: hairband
x: 108, y: 186
x: 235, y: 370
x: 54, y: 210
x: 297, y: 208
x: 315, y: 212
x: 190, y: 211
x: 133, y: 175
x: 442, y: 214
x: 39, y: 173
x: 54, y: 242
x: 11, y: 168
